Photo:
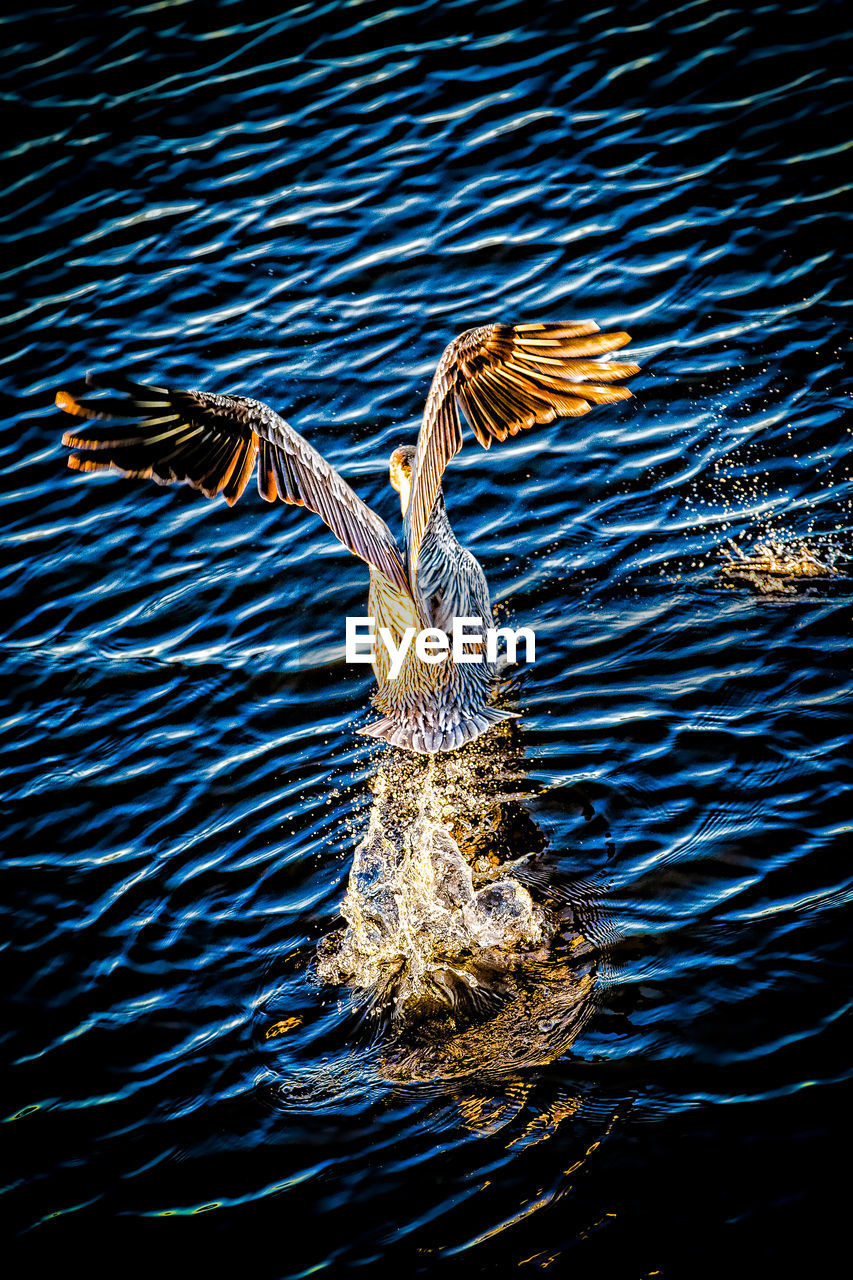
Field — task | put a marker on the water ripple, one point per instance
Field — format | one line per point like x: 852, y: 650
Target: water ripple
x: 306, y: 206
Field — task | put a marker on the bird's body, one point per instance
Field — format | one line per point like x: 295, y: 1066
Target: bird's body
x: 505, y: 379
x: 451, y: 579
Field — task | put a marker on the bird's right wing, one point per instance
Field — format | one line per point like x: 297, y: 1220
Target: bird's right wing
x: 506, y: 379
x: 212, y: 442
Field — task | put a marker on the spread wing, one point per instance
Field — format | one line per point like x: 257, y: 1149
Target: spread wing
x: 507, y: 378
x: 213, y: 443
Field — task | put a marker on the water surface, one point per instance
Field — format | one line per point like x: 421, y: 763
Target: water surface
x: 305, y: 206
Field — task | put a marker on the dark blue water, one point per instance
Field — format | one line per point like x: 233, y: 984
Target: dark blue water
x: 305, y: 205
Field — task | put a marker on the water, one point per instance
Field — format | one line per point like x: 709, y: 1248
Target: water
x: 306, y: 206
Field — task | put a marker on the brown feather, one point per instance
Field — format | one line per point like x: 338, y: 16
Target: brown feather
x: 214, y: 446
x: 506, y: 378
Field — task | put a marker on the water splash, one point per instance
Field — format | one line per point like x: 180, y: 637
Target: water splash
x: 421, y: 919
x: 778, y: 568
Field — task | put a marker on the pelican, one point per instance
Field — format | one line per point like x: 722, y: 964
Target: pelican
x: 504, y: 378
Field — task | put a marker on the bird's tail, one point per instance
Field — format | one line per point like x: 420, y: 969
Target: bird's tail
x: 414, y: 735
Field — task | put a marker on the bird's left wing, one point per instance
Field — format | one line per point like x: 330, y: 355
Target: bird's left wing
x: 507, y: 378
x: 212, y: 442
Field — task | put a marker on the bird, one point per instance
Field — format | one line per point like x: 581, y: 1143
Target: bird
x: 504, y: 378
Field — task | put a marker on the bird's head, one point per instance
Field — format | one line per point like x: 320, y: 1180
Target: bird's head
x: 400, y: 473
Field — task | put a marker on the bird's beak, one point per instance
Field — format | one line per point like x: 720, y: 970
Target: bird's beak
x: 405, y: 490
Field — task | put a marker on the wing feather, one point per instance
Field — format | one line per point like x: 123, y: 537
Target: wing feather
x: 213, y: 442
x: 506, y: 379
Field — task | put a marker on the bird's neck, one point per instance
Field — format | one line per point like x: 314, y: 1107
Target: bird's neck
x: 439, y: 521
